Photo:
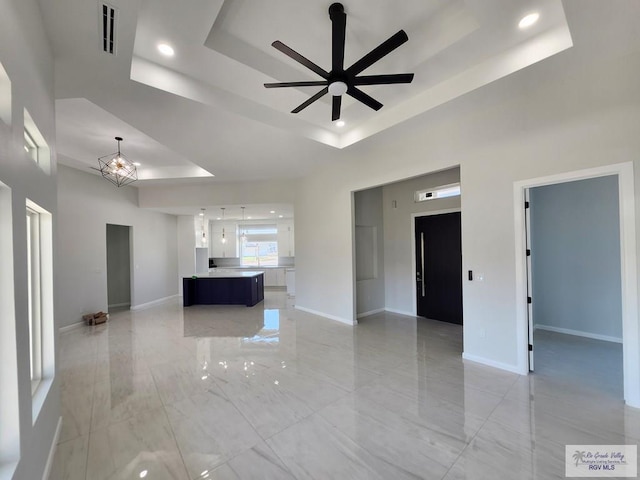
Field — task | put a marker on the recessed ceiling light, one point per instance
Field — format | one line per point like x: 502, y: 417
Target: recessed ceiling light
x: 280, y: 216
x: 218, y: 218
x: 249, y: 218
x: 272, y: 211
x: 340, y: 123
x: 137, y: 164
x: 165, y: 49
x: 528, y: 20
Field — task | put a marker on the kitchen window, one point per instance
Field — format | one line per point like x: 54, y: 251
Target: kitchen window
x: 258, y: 245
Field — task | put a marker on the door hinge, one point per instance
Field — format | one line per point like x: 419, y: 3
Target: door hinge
x: 526, y: 204
x: 530, y: 348
x: 528, y: 299
x: 528, y: 252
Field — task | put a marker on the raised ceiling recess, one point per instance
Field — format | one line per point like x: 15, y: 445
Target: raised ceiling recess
x: 339, y: 81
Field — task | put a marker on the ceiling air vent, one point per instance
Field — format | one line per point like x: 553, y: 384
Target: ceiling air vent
x: 108, y: 16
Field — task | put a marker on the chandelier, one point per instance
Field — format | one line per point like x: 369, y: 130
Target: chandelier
x: 117, y: 169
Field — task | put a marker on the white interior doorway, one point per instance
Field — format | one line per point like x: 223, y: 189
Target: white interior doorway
x: 118, y: 267
x: 576, y: 308
x: 628, y: 279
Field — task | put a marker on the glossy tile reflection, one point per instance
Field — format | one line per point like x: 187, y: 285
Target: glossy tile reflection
x: 269, y: 392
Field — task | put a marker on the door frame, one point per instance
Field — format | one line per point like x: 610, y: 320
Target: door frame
x: 628, y: 267
x: 131, y: 262
x: 414, y: 295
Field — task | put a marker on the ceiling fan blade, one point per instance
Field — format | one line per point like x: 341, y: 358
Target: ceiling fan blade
x: 338, y: 28
x: 290, y: 52
x: 377, y: 53
x: 335, y: 111
x: 319, y: 83
x: 364, y: 98
x: 304, y: 105
x: 383, y: 79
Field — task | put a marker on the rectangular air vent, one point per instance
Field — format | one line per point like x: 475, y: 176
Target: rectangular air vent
x: 444, y: 191
x: 108, y: 16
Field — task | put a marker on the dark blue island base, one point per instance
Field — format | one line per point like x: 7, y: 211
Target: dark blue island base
x: 241, y: 288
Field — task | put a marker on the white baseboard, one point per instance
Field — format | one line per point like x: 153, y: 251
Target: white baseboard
x: 400, y: 312
x: 326, y: 315
x: 578, y: 333
x: 52, y: 451
x: 153, y: 302
x: 492, y: 363
x: 370, y: 312
x: 118, y: 305
x: 66, y: 328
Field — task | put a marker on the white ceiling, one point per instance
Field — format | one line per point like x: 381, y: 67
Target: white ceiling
x: 205, y: 111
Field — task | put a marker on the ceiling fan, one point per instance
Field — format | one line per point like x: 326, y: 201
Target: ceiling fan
x: 339, y: 80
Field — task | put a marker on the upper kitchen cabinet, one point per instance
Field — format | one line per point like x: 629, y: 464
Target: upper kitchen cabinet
x: 286, y: 243
x: 224, y: 240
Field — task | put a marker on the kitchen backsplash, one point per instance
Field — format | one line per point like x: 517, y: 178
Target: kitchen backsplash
x: 235, y: 262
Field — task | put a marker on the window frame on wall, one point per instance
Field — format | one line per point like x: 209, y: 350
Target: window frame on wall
x: 34, y: 286
x: 5, y: 97
x: 30, y: 146
x: 262, y: 239
x: 35, y: 145
x: 39, y: 236
x: 9, y: 403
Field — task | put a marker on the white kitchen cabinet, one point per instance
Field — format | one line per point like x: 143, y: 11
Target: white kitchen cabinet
x: 229, y: 249
x: 274, y: 277
x: 270, y: 277
x: 290, y: 275
x: 286, y: 243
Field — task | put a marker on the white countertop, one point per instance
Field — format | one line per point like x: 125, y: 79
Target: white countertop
x: 266, y: 267
x: 224, y: 273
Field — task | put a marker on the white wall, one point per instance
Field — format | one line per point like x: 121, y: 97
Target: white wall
x: 26, y: 58
x: 245, y: 193
x: 398, y: 219
x: 186, y: 249
x: 576, y: 110
x: 575, y: 257
x: 87, y: 203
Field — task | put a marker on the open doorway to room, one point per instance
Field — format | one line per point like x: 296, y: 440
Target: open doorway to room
x: 576, y: 307
x: 118, y: 267
x: 577, y: 286
x: 384, y: 239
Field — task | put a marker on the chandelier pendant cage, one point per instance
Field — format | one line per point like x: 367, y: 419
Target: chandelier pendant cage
x: 116, y: 168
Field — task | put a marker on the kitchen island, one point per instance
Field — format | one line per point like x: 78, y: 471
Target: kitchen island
x: 224, y: 288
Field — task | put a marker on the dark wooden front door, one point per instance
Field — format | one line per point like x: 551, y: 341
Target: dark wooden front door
x: 439, y: 267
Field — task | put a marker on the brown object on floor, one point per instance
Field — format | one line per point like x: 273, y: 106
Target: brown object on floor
x: 95, y: 318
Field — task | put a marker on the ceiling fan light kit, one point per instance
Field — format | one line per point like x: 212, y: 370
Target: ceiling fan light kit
x: 339, y: 80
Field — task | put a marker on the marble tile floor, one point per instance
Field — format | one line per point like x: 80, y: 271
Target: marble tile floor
x: 270, y: 392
